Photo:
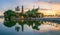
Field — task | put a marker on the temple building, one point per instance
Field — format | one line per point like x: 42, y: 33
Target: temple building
x: 18, y: 10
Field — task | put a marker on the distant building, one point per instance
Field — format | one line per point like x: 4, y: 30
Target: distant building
x: 17, y: 9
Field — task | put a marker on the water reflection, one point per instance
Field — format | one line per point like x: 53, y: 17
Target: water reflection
x: 33, y: 24
x: 53, y: 25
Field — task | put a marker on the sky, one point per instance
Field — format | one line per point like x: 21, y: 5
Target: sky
x: 29, y: 4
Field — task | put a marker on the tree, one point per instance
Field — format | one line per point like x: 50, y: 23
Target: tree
x: 32, y: 13
x: 39, y: 15
x: 9, y: 14
x: 9, y: 23
x: 28, y: 13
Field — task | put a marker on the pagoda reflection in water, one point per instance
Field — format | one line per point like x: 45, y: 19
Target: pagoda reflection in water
x: 34, y: 24
x: 17, y: 24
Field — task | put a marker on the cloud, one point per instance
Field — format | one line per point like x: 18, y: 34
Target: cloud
x: 29, y: 4
x: 50, y: 1
x: 45, y: 5
x: 53, y: 6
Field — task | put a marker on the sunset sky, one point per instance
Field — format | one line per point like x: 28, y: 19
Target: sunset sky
x: 50, y: 5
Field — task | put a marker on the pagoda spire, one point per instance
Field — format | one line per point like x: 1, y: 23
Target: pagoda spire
x: 22, y: 9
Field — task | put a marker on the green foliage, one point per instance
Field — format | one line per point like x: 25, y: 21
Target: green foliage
x: 10, y: 18
x: 21, y: 14
x: 9, y: 14
x: 9, y: 23
x: 31, y: 13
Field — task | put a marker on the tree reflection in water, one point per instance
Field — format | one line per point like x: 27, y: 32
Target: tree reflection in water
x: 9, y: 23
x: 33, y: 24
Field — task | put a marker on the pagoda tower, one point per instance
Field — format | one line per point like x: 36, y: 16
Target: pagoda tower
x: 22, y: 9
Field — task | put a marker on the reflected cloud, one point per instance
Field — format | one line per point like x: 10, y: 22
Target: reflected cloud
x: 40, y: 26
x: 49, y: 26
x: 20, y: 25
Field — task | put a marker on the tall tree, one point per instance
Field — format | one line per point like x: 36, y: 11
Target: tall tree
x: 9, y: 14
x: 32, y: 13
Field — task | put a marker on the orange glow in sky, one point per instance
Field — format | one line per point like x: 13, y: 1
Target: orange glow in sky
x: 52, y: 8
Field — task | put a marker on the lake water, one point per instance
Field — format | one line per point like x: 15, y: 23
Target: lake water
x: 29, y: 27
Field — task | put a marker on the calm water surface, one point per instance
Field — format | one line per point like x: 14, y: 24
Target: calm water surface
x: 29, y: 28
